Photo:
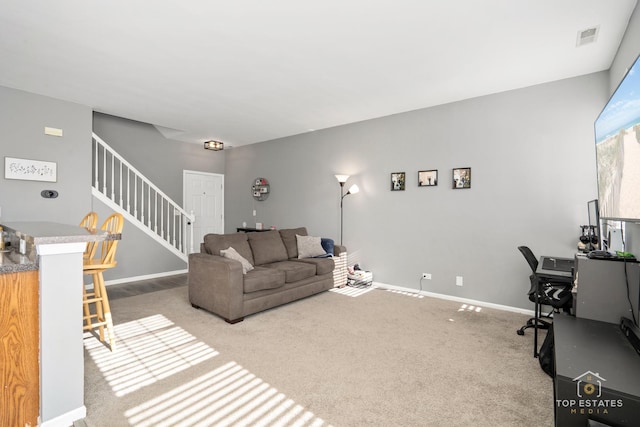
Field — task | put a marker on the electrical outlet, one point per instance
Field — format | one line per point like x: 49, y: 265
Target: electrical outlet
x: 458, y: 280
x: 426, y: 276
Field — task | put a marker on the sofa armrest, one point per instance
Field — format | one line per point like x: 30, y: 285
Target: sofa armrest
x: 217, y: 285
x: 338, y: 249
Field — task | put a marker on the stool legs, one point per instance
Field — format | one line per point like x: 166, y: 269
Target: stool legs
x: 102, y: 313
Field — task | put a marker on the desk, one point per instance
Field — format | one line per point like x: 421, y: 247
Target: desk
x: 597, y: 374
x: 606, y: 289
x: 561, y: 276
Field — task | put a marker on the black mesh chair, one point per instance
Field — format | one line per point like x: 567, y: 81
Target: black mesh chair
x: 556, y: 294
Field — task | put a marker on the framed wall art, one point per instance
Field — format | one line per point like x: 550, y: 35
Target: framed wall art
x: 397, y: 181
x: 428, y: 178
x: 462, y: 178
x: 30, y: 170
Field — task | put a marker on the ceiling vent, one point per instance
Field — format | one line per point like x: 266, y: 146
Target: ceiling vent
x: 587, y: 36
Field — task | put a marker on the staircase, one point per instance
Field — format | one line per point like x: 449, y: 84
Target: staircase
x: 124, y: 189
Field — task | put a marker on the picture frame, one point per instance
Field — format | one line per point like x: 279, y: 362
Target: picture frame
x: 398, y: 181
x: 461, y: 178
x: 30, y: 170
x: 428, y: 178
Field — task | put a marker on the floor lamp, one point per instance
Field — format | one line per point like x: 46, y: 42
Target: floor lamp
x: 352, y: 190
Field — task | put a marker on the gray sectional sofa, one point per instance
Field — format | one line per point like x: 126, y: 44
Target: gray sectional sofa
x: 269, y: 271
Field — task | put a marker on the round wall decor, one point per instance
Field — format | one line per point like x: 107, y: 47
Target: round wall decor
x: 260, y: 189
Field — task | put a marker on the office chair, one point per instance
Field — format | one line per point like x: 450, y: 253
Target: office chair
x: 544, y: 292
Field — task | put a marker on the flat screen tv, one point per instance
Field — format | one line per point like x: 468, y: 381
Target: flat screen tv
x: 617, y: 132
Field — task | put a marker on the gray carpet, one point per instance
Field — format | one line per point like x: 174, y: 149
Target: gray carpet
x: 367, y: 358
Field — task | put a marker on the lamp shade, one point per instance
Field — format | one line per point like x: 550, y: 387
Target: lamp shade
x: 353, y: 189
x: 342, y: 178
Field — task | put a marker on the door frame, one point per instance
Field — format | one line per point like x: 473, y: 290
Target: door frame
x: 184, y: 193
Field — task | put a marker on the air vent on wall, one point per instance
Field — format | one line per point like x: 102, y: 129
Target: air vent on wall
x: 589, y: 35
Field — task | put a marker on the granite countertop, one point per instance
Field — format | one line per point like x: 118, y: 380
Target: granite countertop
x: 42, y: 233
x: 13, y: 262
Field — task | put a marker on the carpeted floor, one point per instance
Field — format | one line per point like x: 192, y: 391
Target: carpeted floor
x: 354, y: 357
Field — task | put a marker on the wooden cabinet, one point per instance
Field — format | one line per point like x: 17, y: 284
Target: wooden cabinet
x: 19, y: 349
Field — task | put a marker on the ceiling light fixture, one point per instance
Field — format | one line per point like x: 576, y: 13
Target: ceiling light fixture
x: 213, y: 145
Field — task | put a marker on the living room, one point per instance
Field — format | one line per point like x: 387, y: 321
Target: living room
x: 530, y: 150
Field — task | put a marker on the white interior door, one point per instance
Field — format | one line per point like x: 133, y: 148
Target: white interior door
x: 204, y: 195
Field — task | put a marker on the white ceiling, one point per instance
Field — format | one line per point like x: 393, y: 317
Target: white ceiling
x: 246, y: 71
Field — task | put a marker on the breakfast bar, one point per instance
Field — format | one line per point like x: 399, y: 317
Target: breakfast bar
x: 41, y: 292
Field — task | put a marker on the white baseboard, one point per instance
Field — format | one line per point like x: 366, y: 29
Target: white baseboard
x: 144, y: 277
x: 67, y: 418
x: 457, y: 299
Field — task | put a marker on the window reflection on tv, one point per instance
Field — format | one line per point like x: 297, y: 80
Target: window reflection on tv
x: 617, y: 131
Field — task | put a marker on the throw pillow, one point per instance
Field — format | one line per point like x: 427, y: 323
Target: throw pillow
x: 328, y: 245
x: 233, y: 254
x: 309, y: 246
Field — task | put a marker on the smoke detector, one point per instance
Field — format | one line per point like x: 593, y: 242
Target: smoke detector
x: 587, y: 36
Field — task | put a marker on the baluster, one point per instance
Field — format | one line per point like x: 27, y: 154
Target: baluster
x: 155, y: 204
x: 162, y: 218
x: 143, y: 184
x: 128, y: 190
x: 113, y: 172
x: 96, y: 165
x: 149, y: 205
x: 120, y: 191
x: 104, y: 173
x: 135, y: 195
x: 173, y: 222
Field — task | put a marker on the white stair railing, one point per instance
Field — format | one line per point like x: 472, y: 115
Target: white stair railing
x: 122, y: 187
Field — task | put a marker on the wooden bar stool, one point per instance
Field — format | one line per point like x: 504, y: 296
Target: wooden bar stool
x: 90, y: 222
x: 97, y: 299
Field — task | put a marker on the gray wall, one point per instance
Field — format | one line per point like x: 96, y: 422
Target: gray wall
x: 162, y: 161
x: 23, y: 117
x: 532, y: 157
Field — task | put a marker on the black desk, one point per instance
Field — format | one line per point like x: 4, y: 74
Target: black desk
x: 584, y: 348
x: 555, y: 275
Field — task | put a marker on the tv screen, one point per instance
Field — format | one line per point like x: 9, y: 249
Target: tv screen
x: 617, y: 132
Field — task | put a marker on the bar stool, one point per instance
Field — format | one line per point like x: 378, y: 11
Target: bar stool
x: 97, y: 298
x: 90, y: 222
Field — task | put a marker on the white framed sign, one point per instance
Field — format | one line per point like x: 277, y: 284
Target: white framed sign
x: 30, y: 170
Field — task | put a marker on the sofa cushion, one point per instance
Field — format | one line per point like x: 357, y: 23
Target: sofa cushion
x: 233, y: 254
x: 323, y: 265
x: 293, y: 270
x: 309, y: 246
x: 261, y: 278
x: 214, y: 243
x: 267, y: 247
x: 289, y: 240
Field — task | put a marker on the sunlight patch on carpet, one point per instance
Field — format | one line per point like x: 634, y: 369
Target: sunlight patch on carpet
x: 406, y: 293
x: 228, y: 395
x: 469, y: 307
x: 148, y: 350
x: 352, y: 291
